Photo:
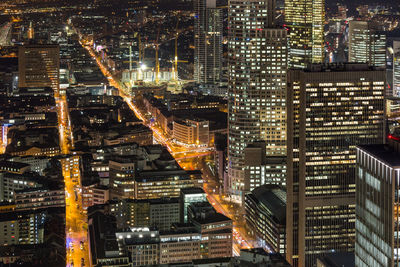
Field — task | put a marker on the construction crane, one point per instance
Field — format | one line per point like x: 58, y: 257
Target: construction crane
x: 140, y: 49
x: 176, y: 60
x: 176, y: 51
x: 157, y: 60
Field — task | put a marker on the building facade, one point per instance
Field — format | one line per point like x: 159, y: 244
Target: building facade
x: 305, y: 20
x: 158, y: 184
x: 332, y: 109
x: 122, y: 178
x: 23, y: 227
x: 179, y: 246
x: 377, y: 216
x: 142, y: 245
x: 396, y: 68
x: 257, y: 59
x: 11, y: 182
x: 187, y: 197
x: 39, y: 66
x: 366, y: 45
x: 192, y: 132
x: 159, y: 214
x: 260, y: 169
x: 130, y: 213
x: 38, y: 198
x: 164, y: 212
x: 215, y: 229
x: 37, y: 164
x: 94, y: 194
x: 266, y: 217
x: 208, y: 42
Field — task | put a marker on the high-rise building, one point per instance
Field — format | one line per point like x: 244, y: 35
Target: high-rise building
x: 366, y: 45
x: 396, y: 67
x: 208, y: 43
x: 377, y: 208
x: 39, y: 66
x: 305, y: 21
x: 257, y: 85
x: 331, y: 109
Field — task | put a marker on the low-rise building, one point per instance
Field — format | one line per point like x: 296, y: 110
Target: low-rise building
x: 93, y: 194
x: 215, y: 229
x: 39, y: 198
x: 254, y: 257
x: 11, y: 182
x: 191, y: 132
x: 142, y: 245
x: 260, y: 169
x: 188, y: 196
x: 159, y: 213
x: 103, y: 245
x: 164, y: 212
x: 148, y: 173
x: 265, y: 217
x: 14, y: 167
x: 22, y: 227
x: 182, y: 244
x: 164, y: 184
x: 37, y: 164
x: 37, y: 150
x: 140, y: 134
x: 208, y: 235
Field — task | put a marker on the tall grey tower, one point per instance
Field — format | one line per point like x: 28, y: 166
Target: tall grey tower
x: 396, y: 67
x: 305, y: 20
x: 257, y: 86
x: 208, y: 43
x: 366, y: 44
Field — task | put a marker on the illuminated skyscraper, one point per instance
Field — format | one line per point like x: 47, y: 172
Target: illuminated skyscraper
x: 305, y: 21
x: 257, y: 85
x: 396, y: 67
x: 366, y: 45
x: 377, y: 205
x: 208, y: 43
x: 331, y: 110
x: 39, y: 66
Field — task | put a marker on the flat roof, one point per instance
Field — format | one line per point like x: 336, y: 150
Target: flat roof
x: 272, y: 197
x: 13, y: 164
x: 339, y: 259
x: 212, y: 218
x: 192, y: 190
x: 383, y: 153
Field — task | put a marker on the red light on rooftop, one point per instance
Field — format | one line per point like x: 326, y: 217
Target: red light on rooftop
x: 393, y: 137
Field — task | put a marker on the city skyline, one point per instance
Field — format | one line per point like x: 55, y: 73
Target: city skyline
x: 199, y: 132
